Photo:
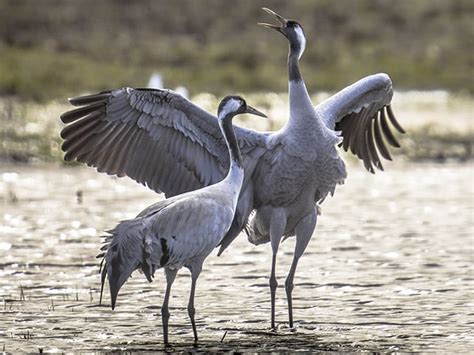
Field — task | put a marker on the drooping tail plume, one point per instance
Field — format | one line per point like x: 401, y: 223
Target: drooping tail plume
x: 127, y: 247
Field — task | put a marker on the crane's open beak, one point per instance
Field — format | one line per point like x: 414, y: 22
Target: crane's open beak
x: 253, y: 111
x: 283, y: 21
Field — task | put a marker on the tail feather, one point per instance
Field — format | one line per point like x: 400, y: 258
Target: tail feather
x: 257, y: 233
x: 241, y: 218
x: 233, y: 232
x: 127, y: 247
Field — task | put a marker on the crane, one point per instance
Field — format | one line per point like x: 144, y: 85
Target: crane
x: 160, y: 139
x: 181, y: 230
x: 304, y: 166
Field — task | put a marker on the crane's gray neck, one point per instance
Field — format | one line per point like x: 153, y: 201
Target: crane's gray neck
x: 231, y: 141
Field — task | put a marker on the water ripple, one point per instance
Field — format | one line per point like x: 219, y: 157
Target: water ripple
x: 395, y: 276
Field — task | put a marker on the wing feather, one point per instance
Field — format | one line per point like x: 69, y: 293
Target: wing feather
x: 77, y: 113
x: 78, y: 127
x: 177, y: 137
x: 379, y: 140
x: 386, y: 130
x: 362, y: 113
x: 374, y: 157
x: 394, y: 121
x: 89, y: 99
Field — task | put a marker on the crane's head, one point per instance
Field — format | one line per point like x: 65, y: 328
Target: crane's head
x: 291, y: 29
x: 235, y: 105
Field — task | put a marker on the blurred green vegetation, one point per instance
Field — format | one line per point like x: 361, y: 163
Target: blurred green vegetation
x: 53, y: 49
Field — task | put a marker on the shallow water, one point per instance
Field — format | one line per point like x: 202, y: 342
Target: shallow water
x: 389, y: 268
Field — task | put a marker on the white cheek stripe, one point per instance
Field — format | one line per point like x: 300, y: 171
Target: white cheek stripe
x: 301, y: 40
x: 230, y: 106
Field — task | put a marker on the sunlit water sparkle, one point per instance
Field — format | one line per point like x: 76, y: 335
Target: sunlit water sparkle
x: 389, y: 268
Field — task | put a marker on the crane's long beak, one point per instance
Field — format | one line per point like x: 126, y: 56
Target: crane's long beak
x: 283, y: 21
x: 253, y: 111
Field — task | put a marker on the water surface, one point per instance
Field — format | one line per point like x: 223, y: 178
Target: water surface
x: 390, y: 267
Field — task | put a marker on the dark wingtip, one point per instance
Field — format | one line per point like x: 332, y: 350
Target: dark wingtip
x: 221, y: 250
x: 63, y: 116
x: 386, y: 130
x: 113, y: 295
x: 89, y: 99
x: 103, y: 274
x: 114, y: 285
x: 379, y: 166
x: 62, y: 133
x: 394, y: 121
x: 67, y: 156
x: 77, y: 113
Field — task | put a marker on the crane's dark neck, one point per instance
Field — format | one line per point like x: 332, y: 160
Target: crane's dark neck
x: 303, y: 120
x: 293, y: 64
x: 231, y: 141
x: 297, y: 42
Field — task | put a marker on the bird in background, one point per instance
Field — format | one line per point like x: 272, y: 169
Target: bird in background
x: 156, y: 82
x: 162, y: 140
x: 181, y: 230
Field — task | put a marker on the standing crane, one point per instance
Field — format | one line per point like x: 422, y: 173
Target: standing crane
x: 179, y: 231
x: 303, y: 165
x: 160, y: 139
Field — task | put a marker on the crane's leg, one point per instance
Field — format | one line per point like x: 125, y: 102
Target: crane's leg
x: 304, y: 230
x: 277, y: 228
x: 195, y: 272
x: 165, y: 314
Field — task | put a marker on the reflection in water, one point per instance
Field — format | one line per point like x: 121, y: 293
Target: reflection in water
x: 390, y: 268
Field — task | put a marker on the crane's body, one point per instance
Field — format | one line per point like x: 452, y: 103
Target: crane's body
x: 299, y: 170
x: 184, y: 229
x: 296, y: 196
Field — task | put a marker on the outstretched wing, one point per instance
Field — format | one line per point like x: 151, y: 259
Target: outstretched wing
x: 362, y: 112
x: 156, y: 137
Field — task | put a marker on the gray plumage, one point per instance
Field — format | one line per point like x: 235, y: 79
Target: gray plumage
x: 173, y: 233
x: 181, y: 230
x: 164, y: 141
x: 303, y: 166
